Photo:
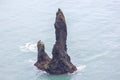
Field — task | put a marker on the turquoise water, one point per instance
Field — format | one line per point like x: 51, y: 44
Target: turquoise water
x: 93, y: 38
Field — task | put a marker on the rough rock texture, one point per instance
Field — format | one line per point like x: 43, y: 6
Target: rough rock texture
x: 42, y: 58
x: 60, y: 62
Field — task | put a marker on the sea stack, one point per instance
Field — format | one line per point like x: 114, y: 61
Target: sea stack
x: 42, y: 59
x: 60, y: 62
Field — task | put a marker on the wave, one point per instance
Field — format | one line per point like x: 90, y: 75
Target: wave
x: 29, y: 47
x: 31, y: 61
x: 80, y: 68
x: 98, y: 56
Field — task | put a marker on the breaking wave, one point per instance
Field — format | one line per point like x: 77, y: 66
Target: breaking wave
x: 31, y: 61
x: 29, y: 47
x: 82, y: 67
x: 79, y: 69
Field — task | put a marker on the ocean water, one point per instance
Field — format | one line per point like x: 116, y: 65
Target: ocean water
x: 93, y: 38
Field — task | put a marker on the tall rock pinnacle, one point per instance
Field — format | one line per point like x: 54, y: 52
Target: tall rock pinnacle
x: 60, y: 62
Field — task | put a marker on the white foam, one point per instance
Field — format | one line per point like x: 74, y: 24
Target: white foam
x: 80, y: 68
x: 31, y: 61
x: 29, y: 47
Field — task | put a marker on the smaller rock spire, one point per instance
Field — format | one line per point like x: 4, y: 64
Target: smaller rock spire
x: 42, y: 58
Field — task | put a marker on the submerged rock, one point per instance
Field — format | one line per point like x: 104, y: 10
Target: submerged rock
x: 42, y: 58
x: 60, y: 62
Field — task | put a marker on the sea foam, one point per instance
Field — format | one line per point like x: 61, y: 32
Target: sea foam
x: 29, y: 47
x: 81, y: 67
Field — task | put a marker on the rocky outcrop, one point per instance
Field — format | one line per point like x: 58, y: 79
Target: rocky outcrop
x: 42, y: 59
x: 60, y: 62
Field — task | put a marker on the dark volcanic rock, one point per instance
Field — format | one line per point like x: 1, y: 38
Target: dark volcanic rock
x: 42, y: 59
x: 60, y: 62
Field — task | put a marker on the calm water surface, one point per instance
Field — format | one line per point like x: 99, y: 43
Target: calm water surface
x: 93, y: 38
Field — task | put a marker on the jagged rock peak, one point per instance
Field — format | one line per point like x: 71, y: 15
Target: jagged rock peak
x: 60, y: 15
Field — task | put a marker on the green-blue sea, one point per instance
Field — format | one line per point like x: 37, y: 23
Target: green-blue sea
x: 93, y: 38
